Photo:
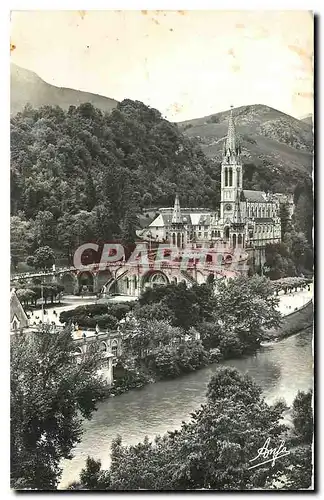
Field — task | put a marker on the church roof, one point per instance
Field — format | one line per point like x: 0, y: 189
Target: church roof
x: 256, y: 196
x: 17, y: 310
x: 191, y: 218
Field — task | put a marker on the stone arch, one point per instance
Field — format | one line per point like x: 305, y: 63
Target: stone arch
x: 68, y: 280
x: 103, y: 346
x: 103, y: 277
x: 86, y: 282
x: 154, y: 278
x: 114, y: 347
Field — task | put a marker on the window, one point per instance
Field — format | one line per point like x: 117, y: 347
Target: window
x: 103, y: 347
x: 205, y: 235
x: 114, y: 348
x: 230, y: 177
x: 226, y: 177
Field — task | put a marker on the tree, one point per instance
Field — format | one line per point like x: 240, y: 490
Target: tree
x: 21, y: 238
x: 299, y: 250
x: 302, y: 413
x: 45, y: 229
x: 147, y: 200
x: 92, y: 477
x: 49, y: 394
x: 43, y: 258
x: 246, y: 307
x: 284, y: 219
x: 304, y: 208
x: 188, y: 306
x: 279, y: 262
x: 213, y: 450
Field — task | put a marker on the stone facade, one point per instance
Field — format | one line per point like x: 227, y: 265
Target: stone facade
x: 246, y: 219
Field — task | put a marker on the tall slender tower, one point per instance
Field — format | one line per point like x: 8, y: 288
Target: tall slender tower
x: 231, y: 175
x: 177, y: 225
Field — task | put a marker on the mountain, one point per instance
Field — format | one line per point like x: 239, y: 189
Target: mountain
x: 27, y: 87
x: 307, y: 119
x: 277, y: 149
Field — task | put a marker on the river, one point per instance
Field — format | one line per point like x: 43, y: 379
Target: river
x: 281, y: 369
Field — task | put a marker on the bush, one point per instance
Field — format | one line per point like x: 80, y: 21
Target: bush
x: 172, y: 361
x: 119, y: 310
x: 130, y: 379
x: 230, y: 346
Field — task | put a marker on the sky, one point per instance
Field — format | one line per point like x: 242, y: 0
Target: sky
x: 187, y: 64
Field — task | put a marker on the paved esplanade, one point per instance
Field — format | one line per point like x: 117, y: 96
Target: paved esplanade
x: 288, y: 303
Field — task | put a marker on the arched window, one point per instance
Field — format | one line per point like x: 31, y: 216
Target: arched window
x: 135, y: 282
x: 114, y: 347
x: 234, y: 240
x: 103, y: 347
x: 173, y: 239
x: 239, y: 240
x: 127, y: 282
x: 226, y: 177
x: 263, y: 212
x: 230, y: 177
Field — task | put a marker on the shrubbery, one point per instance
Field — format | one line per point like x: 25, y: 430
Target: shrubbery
x: 103, y: 315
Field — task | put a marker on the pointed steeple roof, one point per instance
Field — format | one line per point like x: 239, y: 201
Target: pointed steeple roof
x: 237, y: 210
x: 176, y: 216
x: 231, y: 142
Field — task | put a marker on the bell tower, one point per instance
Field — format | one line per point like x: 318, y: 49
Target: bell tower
x: 231, y: 174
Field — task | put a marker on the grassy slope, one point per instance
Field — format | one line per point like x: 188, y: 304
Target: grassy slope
x: 268, y: 136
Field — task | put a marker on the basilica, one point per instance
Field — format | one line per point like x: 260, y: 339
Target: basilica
x: 245, y: 218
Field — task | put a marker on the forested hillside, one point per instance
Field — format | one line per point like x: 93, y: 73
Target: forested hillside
x: 82, y: 174
x: 85, y: 175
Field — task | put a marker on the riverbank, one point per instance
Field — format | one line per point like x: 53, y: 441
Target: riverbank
x: 281, y: 369
x: 293, y: 323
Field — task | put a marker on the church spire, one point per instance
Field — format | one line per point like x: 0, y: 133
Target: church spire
x: 237, y: 210
x: 176, y: 216
x: 231, y: 143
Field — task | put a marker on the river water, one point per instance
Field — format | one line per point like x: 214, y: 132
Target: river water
x: 281, y: 369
